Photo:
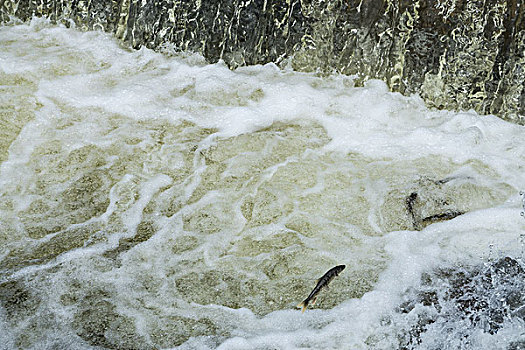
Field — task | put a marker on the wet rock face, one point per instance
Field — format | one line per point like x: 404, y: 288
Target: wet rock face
x: 456, y: 54
x: 465, y: 301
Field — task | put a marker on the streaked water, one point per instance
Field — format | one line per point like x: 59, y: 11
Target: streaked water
x: 152, y: 201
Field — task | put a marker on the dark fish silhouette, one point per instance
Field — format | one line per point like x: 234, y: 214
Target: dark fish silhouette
x: 321, y: 283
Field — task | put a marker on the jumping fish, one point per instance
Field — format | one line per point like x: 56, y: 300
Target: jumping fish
x: 321, y: 283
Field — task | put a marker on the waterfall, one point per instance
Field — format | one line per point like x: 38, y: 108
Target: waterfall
x: 456, y: 54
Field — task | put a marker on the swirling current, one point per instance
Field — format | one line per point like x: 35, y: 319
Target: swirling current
x: 155, y: 201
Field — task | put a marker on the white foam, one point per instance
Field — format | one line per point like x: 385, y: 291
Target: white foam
x: 368, y: 120
x: 133, y: 216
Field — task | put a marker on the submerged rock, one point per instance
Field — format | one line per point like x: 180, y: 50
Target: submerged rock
x: 429, y: 204
x: 427, y: 201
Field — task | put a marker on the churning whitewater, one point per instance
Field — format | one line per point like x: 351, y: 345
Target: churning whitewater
x: 154, y: 201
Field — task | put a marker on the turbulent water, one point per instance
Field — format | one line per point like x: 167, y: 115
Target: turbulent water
x: 151, y: 200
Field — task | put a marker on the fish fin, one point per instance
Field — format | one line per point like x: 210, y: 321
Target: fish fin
x: 313, y: 302
x: 303, y: 305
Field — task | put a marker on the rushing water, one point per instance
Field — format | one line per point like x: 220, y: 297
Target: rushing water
x: 152, y: 200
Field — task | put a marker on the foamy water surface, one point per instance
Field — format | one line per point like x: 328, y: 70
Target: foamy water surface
x: 151, y: 200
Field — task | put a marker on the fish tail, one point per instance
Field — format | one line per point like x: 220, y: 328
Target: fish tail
x: 303, y: 305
